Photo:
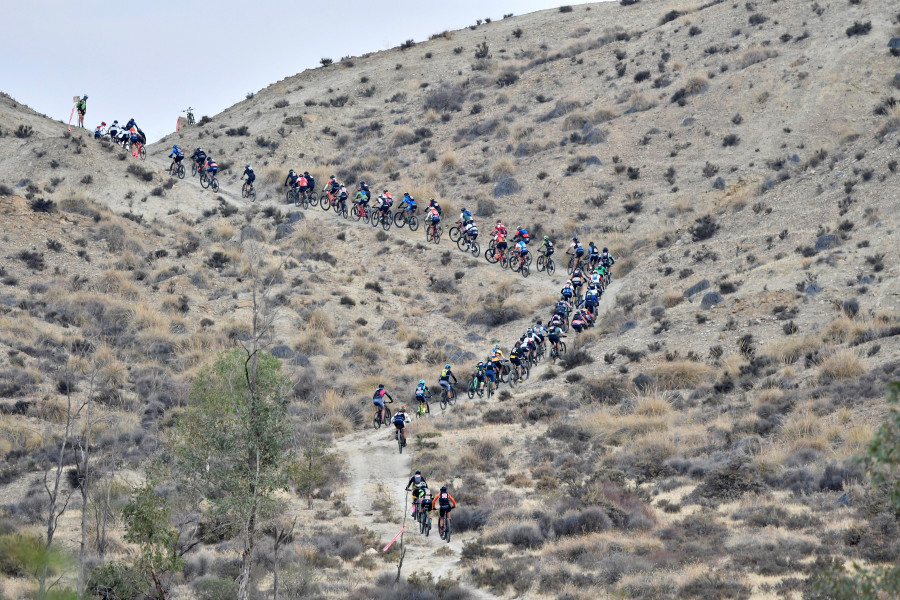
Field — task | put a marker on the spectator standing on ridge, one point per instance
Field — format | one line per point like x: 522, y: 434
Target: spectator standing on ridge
x: 81, y: 106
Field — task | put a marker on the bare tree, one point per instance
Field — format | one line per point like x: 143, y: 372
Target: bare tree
x: 283, y: 535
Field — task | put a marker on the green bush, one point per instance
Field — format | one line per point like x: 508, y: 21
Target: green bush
x: 214, y: 588
x: 116, y: 581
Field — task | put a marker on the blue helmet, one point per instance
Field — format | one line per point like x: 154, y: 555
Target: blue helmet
x: 446, y: 366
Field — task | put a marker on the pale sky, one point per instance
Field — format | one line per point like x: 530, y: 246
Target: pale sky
x: 151, y: 59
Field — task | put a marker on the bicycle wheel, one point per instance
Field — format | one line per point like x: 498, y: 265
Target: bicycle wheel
x: 490, y: 255
x: 525, y: 270
x: 180, y: 171
x: 399, y: 221
x: 475, y: 248
x: 143, y: 152
x: 470, y: 389
x: 528, y: 259
x: 244, y: 193
x: 376, y: 420
x: 204, y: 181
x: 562, y: 347
x: 326, y: 204
x: 193, y: 169
x: 551, y: 266
x: 313, y: 199
x: 541, y: 262
x: 400, y: 440
x: 376, y: 217
x: 252, y: 194
x: 571, y: 267
x: 354, y: 212
x: 504, y: 261
x: 444, y: 400
x: 447, y: 528
x: 462, y: 244
x: 386, y: 222
x: 214, y: 184
x: 454, y: 233
x: 427, y: 524
x: 413, y: 222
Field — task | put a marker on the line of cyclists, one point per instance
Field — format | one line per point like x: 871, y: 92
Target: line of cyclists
x: 424, y: 502
x: 129, y: 136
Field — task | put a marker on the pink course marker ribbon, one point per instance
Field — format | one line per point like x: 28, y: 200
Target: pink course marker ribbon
x: 71, y: 114
x: 393, y: 540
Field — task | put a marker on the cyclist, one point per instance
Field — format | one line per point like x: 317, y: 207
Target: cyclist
x: 378, y: 399
x: 478, y: 376
x: 593, y: 254
x: 362, y: 200
x: 422, y: 393
x: 562, y: 309
x: 408, y: 204
x: 521, y: 235
x: 547, y: 246
x: 177, y: 155
x: 446, y: 503
x: 540, y: 332
x: 604, y: 274
x: 591, y: 299
x: 606, y: 258
x: 400, y: 421
x: 578, y: 323
x: 310, y: 181
x: 434, y: 204
x: 433, y: 217
x: 595, y: 277
x: 515, y: 357
x: 98, y: 133
x: 446, y: 374
x: 365, y: 190
x: 114, y: 130
x: 575, y: 250
x: 291, y: 179
x: 199, y: 157
x: 251, y: 176
x: 416, y: 479
x: 427, y: 503
x: 577, y: 281
x: 522, y: 251
x: 464, y: 217
x: 211, y: 168
x: 342, y: 197
x: 489, y: 374
x: 302, y: 184
x: 471, y: 231
x: 497, y: 360
x: 384, y: 202
x: 567, y: 291
x: 500, y: 244
x: 81, y: 106
x: 554, y: 334
x: 332, y: 186
x: 500, y: 228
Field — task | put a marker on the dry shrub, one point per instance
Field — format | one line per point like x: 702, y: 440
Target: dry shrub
x: 319, y: 321
x: 681, y: 374
x: 800, y: 426
x: 843, y: 329
x: 652, y: 404
x: 502, y: 168
x: 620, y: 429
x: 672, y: 298
x: 448, y: 161
x: 342, y: 412
x: 311, y: 343
x: 790, y: 349
x: 483, y: 455
x: 843, y: 364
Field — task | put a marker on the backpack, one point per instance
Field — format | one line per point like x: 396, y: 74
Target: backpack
x: 399, y: 418
x: 467, y: 215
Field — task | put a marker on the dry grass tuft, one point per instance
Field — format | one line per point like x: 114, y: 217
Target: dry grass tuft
x: 681, y: 374
x: 843, y: 364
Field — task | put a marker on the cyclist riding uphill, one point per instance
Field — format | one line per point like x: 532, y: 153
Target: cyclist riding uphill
x: 310, y: 181
x: 98, y: 133
x: 378, y: 399
x: 251, y: 176
x: 606, y: 258
x: 465, y: 216
x: 332, y: 185
x: 576, y: 250
x: 548, y: 245
x: 416, y: 479
x: 521, y: 235
x: 408, y: 203
x: 199, y: 157
x: 365, y: 190
x: 446, y: 374
x: 446, y: 503
x: 434, y: 204
x: 211, y: 168
x: 421, y: 395
x: 177, y: 155
x: 400, y: 421
x: 291, y: 179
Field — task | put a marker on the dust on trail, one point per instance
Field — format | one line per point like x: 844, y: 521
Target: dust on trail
x: 372, y: 459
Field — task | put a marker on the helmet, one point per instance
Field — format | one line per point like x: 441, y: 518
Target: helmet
x: 247, y: 167
x: 406, y: 193
x: 418, y: 472
x: 332, y: 177
x: 443, y: 488
x: 85, y: 96
x: 384, y: 192
x: 116, y: 121
x: 530, y: 331
x: 306, y: 172
x: 590, y: 243
x: 539, y: 323
x: 446, y: 366
x: 380, y: 386
x: 568, y: 282
x: 421, y: 382
x: 199, y: 149
x: 464, y: 209
x: 546, y: 237
x: 499, y: 222
x: 362, y: 183
x: 605, y: 250
x: 480, y: 363
x: 574, y: 239
x: 577, y: 271
x: 103, y: 123
x: 402, y: 408
x: 292, y: 171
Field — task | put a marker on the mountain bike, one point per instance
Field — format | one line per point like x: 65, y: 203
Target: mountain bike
x: 573, y: 263
x: 194, y: 168
x: 491, y: 255
x: 467, y: 245
x: 433, y: 233
x: 401, y: 218
x: 424, y: 408
x: 248, y: 191
x: 518, y: 264
x: 557, y: 353
x: 448, y: 400
x: 329, y: 201
x: 209, y: 182
x: 361, y: 213
x: 377, y: 421
x: 524, y: 372
x: 545, y: 263
x: 292, y: 196
x: 472, y: 388
x: 382, y: 218
x: 445, y: 528
x: 176, y: 171
x: 401, y: 439
x: 455, y: 233
x: 310, y: 197
x: 190, y: 115
x: 139, y: 150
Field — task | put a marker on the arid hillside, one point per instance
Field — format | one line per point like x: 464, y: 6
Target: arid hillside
x: 740, y: 160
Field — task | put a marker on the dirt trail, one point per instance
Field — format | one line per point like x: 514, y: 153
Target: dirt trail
x: 373, y: 459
